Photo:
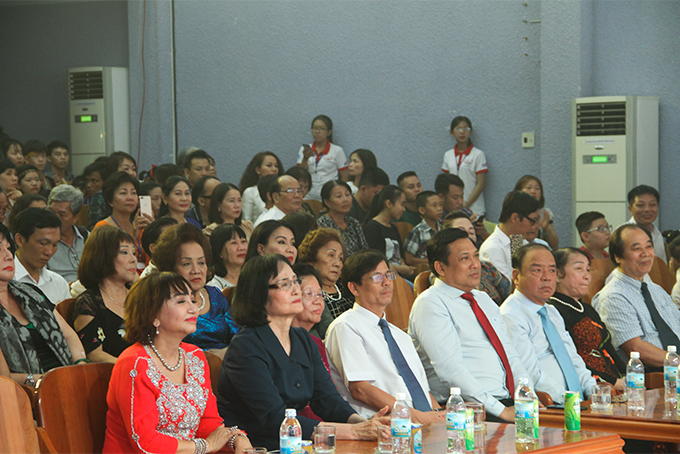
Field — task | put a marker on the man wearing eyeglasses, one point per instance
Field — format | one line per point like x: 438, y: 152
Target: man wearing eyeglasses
x: 459, y: 333
x: 287, y: 197
x: 519, y: 216
x: 371, y: 359
x: 595, y: 232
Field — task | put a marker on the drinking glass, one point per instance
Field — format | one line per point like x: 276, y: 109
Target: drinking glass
x: 601, y: 397
x: 479, y: 415
x: 324, y: 439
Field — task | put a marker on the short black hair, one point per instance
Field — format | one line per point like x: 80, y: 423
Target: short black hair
x: 403, y: 176
x: 249, y: 304
x: 642, y: 190
x: 302, y: 223
x: 261, y: 235
x: 6, y: 164
x: 674, y: 248
x: 360, y: 263
x: 20, y: 205
x: 196, y: 154
x: 616, y: 245
x: 372, y: 177
x: 438, y: 249
x: 265, y: 186
x: 34, y: 218
x: 444, y: 180
x: 198, y: 189
x: 34, y: 146
x: 4, y: 231
x: 584, y: 221
x: 300, y: 174
x: 303, y: 270
x: 562, y: 258
x: 165, y: 171
x: 54, y: 145
x: 114, y: 182
x: 518, y: 202
x: 421, y: 199
x: 154, y: 230
x: 327, y: 188
x: 115, y: 160
x: 218, y: 238
x: 147, y: 186
x: 453, y: 215
x: 99, y: 167
x: 521, y: 253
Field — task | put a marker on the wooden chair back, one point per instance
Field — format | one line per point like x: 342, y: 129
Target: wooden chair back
x: 662, y: 275
x: 72, y: 406
x: 83, y: 218
x: 398, y: 311
x: 17, y: 431
x: 215, y: 364
x: 599, y: 270
x: 65, y: 309
x: 228, y: 293
x: 404, y: 229
x: 421, y: 283
x: 654, y: 380
x: 315, y: 205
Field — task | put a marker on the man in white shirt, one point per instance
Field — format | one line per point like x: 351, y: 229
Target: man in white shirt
x: 643, y: 204
x: 360, y: 345
x: 519, y: 216
x: 287, y: 197
x: 537, y: 329
x: 459, y: 333
x: 37, y: 233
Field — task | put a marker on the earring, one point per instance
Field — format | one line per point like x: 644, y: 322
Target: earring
x: 157, y: 333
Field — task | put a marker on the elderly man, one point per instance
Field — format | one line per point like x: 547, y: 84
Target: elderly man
x: 459, y: 333
x: 287, y: 197
x: 66, y: 202
x: 643, y: 204
x: 537, y: 329
x: 640, y: 315
x: 371, y: 359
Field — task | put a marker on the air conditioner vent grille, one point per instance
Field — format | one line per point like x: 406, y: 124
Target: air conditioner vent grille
x: 601, y: 119
x: 86, y: 85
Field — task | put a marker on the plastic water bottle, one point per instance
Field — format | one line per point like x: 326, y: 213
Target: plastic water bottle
x: 670, y: 374
x: 401, y: 426
x: 524, y: 412
x: 635, y: 376
x: 290, y: 434
x: 455, y: 423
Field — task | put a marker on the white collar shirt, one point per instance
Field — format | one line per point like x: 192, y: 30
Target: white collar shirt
x: 657, y: 239
x: 496, y: 249
x: 50, y: 283
x: 274, y: 213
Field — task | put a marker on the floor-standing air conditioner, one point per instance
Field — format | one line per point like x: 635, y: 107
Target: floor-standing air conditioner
x: 99, y: 113
x: 615, y: 148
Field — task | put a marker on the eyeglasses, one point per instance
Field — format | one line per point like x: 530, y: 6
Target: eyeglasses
x: 461, y: 129
x: 286, y: 284
x: 310, y: 295
x: 533, y: 221
x: 601, y: 229
x: 292, y: 191
x: 319, y: 129
x: 379, y: 278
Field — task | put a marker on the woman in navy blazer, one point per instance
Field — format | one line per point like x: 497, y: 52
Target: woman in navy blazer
x: 271, y: 366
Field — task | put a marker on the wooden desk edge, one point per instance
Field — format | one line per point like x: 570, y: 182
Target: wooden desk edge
x: 601, y: 445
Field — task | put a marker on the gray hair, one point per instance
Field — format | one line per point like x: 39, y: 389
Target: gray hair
x: 67, y: 193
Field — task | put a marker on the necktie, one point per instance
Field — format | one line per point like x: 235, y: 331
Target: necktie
x: 493, y: 337
x: 666, y: 334
x: 420, y: 400
x: 560, y: 352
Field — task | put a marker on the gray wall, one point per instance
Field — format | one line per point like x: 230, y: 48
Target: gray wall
x: 38, y: 43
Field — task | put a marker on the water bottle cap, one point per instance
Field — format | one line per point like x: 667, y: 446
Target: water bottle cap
x: 634, y: 355
x: 455, y: 390
x: 291, y: 413
x: 672, y: 349
x: 401, y: 396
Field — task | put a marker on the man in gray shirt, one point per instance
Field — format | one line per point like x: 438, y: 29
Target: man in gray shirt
x: 66, y: 202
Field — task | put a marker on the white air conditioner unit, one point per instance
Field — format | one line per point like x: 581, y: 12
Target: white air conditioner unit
x: 615, y: 142
x: 99, y: 113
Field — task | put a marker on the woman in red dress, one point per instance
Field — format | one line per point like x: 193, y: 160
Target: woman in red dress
x: 160, y: 398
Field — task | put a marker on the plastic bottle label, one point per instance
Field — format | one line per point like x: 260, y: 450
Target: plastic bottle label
x: 401, y: 428
x: 524, y: 409
x: 455, y: 420
x: 418, y: 442
x: 636, y: 381
x: 670, y: 372
x: 469, y: 429
x: 291, y: 445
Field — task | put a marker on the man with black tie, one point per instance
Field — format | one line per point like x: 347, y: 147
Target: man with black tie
x: 459, y: 333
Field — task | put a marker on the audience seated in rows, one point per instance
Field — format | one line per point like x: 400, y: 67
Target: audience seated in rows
x: 66, y: 202
x: 410, y: 185
x: 229, y: 245
x: 263, y: 164
x: 336, y: 196
x: 201, y: 196
x: 643, y: 205
x: 286, y: 197
x: 226, y: 208
x: 594, y: 231
x: 372, y: 181
x: 360, y: 160
x: 429, y: 206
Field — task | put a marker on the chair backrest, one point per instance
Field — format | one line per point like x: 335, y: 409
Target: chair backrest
x: 398, y: 311
x: 661, y: 275
x: 72, y: 406
x: 599, y: 270
x: 65, y: 309
x: 421, y: 283
x: 17, y: 431
x: 83, y: 218
x: 315, y: 205
x: 228, y: 293
x: 404, y: 229
x: 215, y: 364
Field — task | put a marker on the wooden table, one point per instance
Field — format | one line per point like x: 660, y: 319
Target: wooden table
x: 656, y: 423
x: 500, y: 438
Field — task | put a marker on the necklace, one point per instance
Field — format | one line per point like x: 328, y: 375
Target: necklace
x: 112, y: 298
x: 167, y: 366
x: 333, y: 298
x: 578, y: 309
x: 202, y: 299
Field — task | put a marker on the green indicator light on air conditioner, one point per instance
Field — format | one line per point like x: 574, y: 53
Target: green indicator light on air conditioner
x: 599, y: 159
x: 85, y: 118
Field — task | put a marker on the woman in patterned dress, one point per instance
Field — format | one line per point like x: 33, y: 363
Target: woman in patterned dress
x: 160, y: 398
x: 336, y: 196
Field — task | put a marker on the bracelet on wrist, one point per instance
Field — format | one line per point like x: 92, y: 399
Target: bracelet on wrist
x: 201, y: 446
x: 231, y: 441
x: 81, y: 360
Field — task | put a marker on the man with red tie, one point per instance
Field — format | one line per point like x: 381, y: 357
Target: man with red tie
x: 459, y: 332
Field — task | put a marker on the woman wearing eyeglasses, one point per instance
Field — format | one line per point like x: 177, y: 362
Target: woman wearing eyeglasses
x: 469, y: 163
x: 324, y: 160
x: 271, y: 365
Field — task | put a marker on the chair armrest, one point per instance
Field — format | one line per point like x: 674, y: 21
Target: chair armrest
x: 544, y: 398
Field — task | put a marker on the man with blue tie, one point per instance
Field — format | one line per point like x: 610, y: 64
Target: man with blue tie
x: 371, y: 359
x: 537, y: 329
